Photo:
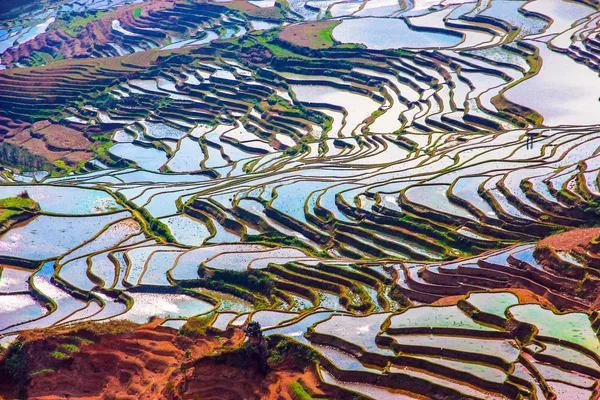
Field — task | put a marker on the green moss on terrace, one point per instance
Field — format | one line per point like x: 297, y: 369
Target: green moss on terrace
x: 72, y: 25
x: 16, y: 209
x: 151, y: 225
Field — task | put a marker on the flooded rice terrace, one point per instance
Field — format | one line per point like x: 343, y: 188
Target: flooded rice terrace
x: 378, y: 180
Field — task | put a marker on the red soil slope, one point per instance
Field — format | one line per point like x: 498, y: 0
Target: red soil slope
x: 570, y: 240
x: 53, y: 142
x: 120, y: 360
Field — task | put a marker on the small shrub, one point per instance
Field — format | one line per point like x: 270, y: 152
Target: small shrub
x: 81, y: 340
x: 71, y: 348
x: 59, y: 356
x: 253, y: 331
x: 170, y: 388
x: 195, y: 327
x: 42, y: 371
x: 300, y: 392
x: 286, y: 349
x: 15, y: 363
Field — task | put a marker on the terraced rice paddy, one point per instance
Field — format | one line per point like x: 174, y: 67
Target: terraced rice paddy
x: 376, y: 190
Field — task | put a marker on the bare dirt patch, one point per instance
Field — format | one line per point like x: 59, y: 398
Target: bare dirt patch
x: 569, y: 241
x: 63, y: 138
x: 54, y: 142
x: 314, y: 35
x: 272, y: 13
x: 525, y: 297
x: 9, y: 127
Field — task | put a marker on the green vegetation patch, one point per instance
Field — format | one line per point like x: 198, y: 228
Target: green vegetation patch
x: 106, y: 328
x: 23, y: 202
x: 12, y: 208
x: 301, y: 393
x: 255, y: 287
x: 15, y: 364
x: 21, y: 158
x: 72, y: 24
x: 59, y: 355
x: 196, y: 327
x: 42, y: 371
x: 153, y: 225
x: 277, y: 50
x: 71, y: 348
x: 288, y: 350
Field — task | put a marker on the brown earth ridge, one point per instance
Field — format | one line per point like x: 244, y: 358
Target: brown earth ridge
x: 123, y: 360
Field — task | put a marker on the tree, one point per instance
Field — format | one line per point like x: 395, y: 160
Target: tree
x: 253, y: 332
x: 258, y: 344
